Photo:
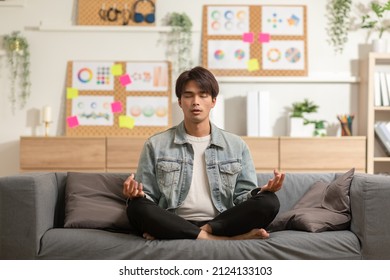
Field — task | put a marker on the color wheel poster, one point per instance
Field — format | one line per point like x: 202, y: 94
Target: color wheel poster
x: 228, y: 54
x: 284, y: 55
x: 282, y: 20
x: 148, y: 110
x: 92, y: 76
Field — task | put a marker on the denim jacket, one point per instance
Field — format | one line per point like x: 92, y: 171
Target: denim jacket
x: 166, y: 166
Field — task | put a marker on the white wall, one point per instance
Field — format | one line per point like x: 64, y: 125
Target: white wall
x: 50, y: 52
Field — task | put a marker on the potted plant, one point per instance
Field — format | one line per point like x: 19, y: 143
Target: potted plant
x: 376, y: 21
x: 299, y: 124
x: 18, y: 58
x: 179, y: 41
x: 339, y: 21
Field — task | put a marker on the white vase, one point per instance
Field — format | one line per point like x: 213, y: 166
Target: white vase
x: 379, y: 45
x: 297, y: 128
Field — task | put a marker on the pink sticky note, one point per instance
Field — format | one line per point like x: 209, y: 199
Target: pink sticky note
x: 247, y: 37
x: 125, y: 80
x: 116, y: 107
x: 72, y: 121
x: 264, y: 37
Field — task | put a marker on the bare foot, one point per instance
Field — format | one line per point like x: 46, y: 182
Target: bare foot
x: 147, y: 236
x: 253, y: 234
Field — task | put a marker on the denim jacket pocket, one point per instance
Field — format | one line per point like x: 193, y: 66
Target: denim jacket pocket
x: 168, y: 173
x: 229, y: 172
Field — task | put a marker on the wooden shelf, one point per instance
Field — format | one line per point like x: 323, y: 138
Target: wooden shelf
x: 369, y: 114
x: 15, y: 3
x: 68, y: 27
x: 328, y: 78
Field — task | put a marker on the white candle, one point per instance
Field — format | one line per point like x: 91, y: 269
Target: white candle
x: 47, y: 114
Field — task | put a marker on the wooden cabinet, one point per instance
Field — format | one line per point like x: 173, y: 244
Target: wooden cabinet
x: 264, y: 151
x: 121, y: 154
x: 323, y: 154
x: 63, y: 154
x: 369, y: 114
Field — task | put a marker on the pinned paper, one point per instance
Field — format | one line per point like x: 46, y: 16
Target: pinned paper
x: 116, y: 107
x: 116, y: 69
x: 126, y: 122
x: 125, y: 80
x: 72, y: 121
x: 253, y: 65
x: 247, y: 37
x: 264, y: 37
x: 72, y: 93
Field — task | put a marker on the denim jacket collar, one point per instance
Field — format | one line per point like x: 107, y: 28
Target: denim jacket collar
x: 180, y: 135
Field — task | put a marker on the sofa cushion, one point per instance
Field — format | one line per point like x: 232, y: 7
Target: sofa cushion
x: 95, y: 200
x: 325, y: 206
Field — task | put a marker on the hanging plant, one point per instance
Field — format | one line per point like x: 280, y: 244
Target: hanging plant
x: 376, y: 20
x: 18, y: 58
x: 179, y: 41
x: 339, y: 21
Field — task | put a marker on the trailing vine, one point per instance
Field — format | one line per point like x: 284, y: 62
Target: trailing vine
x: 18, y: 58
x: 339, y: 21
x: 179, y: 41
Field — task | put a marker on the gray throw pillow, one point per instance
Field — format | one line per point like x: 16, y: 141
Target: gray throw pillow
x: 95, y: 200
x: 325, y: 206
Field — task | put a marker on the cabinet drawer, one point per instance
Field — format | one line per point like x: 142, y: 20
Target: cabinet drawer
x: 324, y: 154
x: 123, y: 153
x: 264, y: 151
x: 62, y: 153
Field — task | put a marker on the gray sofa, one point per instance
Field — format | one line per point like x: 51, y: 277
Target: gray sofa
x: 32, y: 226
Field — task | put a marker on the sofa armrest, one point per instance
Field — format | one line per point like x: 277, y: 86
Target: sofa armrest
x: 370, y: 205
x: 27, y: 207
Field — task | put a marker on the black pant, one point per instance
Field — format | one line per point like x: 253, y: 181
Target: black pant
x: 257, y: 212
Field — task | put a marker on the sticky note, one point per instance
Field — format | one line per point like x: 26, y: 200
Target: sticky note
x: 126, y: 122
x: 116, y: 70
x: 253, y: 65
x: 72, y: 93
x: 72, y: 121
x: 125, y: 80
x: 116, y: 107
x: 247, y: 37
x: 264, y: 37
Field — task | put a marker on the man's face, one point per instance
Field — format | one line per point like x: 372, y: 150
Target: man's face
x: 195, y: 103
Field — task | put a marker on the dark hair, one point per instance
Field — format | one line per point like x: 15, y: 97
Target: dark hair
x: 203, y: 77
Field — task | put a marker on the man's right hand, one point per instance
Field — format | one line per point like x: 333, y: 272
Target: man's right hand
x: 132, y: 189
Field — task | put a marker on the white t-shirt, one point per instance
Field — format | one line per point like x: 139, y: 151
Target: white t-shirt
x: 198, y: 205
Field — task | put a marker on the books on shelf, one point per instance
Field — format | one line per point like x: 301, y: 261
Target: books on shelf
x: 381, y: 88
x: 257, y: 113
x: 382, y: 130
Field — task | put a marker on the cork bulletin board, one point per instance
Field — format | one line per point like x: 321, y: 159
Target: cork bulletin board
x: 116, y: 12
x: 255, y: 40
x: 118, y: 98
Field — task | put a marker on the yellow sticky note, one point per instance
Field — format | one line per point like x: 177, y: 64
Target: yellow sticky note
x: 253, y: 65
x: 126, y: 122
x: 72, y: 93
x: 116, y: 69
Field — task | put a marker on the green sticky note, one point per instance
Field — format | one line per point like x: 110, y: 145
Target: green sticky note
x: 126, y: 122
x: 116, y: 69
x: 72, y: 93
x: 253, y: 65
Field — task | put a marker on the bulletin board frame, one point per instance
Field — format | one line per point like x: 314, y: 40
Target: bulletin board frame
x: 116, y: 12
x: 120, y: 93
x: 261, y: 53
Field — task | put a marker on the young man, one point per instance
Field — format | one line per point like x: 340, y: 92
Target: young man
x: 196, y: 181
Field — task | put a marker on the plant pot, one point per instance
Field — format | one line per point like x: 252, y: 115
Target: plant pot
x: 297, y: 128
x: 379, y: 45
